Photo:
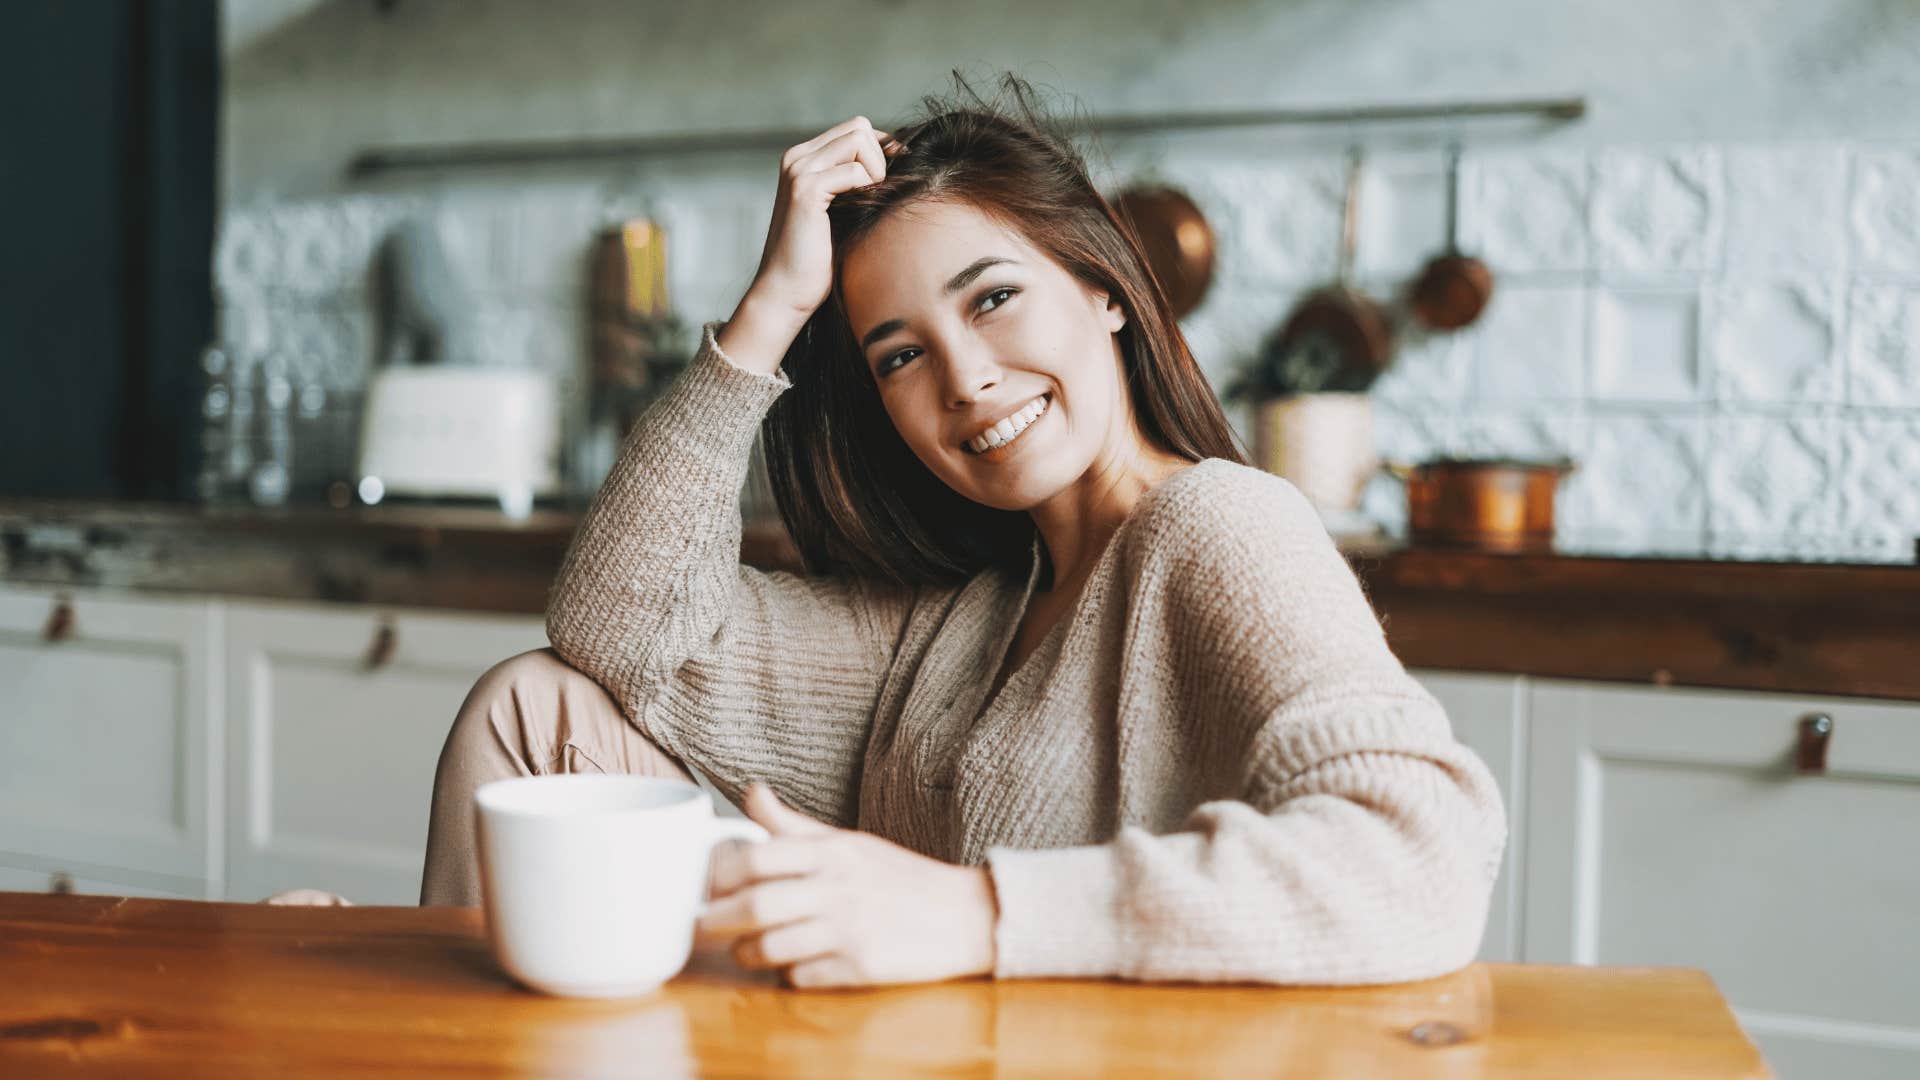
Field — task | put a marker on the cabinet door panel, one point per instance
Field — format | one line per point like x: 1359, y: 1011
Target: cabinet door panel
x: 107, y: 732
x: 333, y: 745
x: 1669, y: 828
x: 1487, y: 714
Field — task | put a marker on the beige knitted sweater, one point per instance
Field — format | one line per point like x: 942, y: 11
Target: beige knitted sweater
x: 1212, y: 768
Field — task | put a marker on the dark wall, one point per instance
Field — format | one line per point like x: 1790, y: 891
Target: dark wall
x: 107, y: 195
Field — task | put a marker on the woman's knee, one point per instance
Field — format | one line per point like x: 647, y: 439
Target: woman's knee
x: 536, y: 671
x: 548, y: 716
x: 502, y: 714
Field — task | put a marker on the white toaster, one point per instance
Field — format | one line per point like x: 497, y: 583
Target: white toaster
x: 471, y: 432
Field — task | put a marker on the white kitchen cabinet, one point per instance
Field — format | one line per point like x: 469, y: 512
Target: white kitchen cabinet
x: 336, y: 719
x: 1669, y: 827
x: 1488, y: 714
x: 108, y: 729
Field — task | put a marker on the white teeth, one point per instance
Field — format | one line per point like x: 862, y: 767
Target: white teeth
x: 1004, y: 432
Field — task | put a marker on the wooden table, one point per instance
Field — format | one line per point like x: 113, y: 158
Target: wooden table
x: 129, y: 988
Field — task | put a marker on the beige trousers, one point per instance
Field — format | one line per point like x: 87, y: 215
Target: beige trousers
x: 526, y: 716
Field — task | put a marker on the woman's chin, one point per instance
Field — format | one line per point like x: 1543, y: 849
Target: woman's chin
x: 1014, y: 485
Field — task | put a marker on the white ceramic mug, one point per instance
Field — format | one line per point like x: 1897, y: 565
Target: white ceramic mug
x: 592, y: 882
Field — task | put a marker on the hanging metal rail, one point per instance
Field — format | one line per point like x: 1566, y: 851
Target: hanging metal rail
x: 388, y: 159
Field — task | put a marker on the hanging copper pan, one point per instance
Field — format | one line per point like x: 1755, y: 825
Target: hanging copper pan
x: 1178, y: 242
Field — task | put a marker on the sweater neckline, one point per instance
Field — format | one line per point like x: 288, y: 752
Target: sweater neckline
x: 1018, y: 678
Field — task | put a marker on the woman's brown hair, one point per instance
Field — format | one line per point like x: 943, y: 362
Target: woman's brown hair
x: 853, y: 496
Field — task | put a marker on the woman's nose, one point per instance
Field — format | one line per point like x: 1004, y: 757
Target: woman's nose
x: 971, y: 372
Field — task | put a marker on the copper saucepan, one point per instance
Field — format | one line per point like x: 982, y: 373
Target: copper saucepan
x: 1489, y: 504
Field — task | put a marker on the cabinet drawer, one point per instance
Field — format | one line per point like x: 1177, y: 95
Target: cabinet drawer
x: 1670, y: 827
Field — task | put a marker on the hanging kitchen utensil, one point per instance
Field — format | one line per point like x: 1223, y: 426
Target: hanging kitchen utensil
x: 1337, y: 339
x: 1452, y: 289
x: 1178, y: 242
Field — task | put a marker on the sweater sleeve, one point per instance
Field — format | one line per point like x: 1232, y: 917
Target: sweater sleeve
x: 741, y: 673
x: 1358, y: 841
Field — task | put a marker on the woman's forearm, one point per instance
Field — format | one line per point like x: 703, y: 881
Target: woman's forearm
x: 655, y: 556
x: 758, y: 335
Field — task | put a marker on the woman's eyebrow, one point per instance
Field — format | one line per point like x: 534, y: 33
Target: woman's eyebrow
x: 954, y: 284
x: 974, y: 269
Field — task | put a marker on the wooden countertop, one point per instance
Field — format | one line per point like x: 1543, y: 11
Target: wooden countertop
x: 96, y: 986
x: 1818, y: 628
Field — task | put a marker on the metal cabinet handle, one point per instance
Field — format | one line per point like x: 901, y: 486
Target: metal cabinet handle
x: 1810, y: 754
x: 60, y: 620
x: 381, y: 650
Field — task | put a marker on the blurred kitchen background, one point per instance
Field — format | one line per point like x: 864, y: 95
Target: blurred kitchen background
x: 322, y: 319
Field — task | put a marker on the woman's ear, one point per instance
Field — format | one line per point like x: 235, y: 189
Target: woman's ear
x: 1115, y: 315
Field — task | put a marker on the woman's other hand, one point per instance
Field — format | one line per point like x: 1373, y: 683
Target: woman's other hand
x: 837, y: 907
x: 796, y: 266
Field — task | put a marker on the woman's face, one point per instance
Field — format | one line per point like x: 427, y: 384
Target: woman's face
x: 964, y: 325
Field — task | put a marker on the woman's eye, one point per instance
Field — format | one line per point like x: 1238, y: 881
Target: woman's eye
x: 1008, y: 292
x: 888, y: 364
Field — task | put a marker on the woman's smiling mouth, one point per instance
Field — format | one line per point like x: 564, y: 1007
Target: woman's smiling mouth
x: 1009, y: 429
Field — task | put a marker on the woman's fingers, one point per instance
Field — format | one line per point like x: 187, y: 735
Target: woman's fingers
x: 783, y: 945
x: 738, y: 864
x: 832, y: 969
x: 818, y: 189
x: 762, y: 907
x: 859, y: 145
x: 800, y: 150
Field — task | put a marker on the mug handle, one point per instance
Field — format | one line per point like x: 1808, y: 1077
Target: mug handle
x: 731, y: 828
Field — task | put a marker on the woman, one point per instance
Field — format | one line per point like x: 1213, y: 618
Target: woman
x: 1072, y: 691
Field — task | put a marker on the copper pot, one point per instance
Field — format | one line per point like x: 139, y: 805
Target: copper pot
x: 1490, y: 504
x: 1176, y: 239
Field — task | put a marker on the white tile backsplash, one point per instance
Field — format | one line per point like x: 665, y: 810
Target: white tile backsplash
x: 1525, y: 213
x: 1646, y: 345
x: 1886, y: 211
x: 1883, y: 346
x: 1786, y: 209
x: 1532, y: 434
x: 1773, y: 343
x: 1879, y: 497
x: 1641, y: 483
x: 1532, y: 345
x: 1658, y: 210
x: 1286, y: 223
x: 1401, y: 214
x: 1770, y: 477
x: 1430, y: 372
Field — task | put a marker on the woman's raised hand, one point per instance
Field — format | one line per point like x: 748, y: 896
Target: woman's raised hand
x: 796, y: 267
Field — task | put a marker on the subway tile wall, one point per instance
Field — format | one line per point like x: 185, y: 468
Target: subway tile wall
x: 1725, y: 338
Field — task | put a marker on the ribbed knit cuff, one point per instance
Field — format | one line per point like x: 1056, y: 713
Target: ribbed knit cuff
x: 715, y: 406
x: 1059, y: 912
x: 710, y: 343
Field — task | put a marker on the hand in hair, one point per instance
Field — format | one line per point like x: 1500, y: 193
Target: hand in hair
x: 796, y: 267
x: 831, y: 907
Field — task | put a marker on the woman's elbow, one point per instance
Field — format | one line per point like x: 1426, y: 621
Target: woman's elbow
x: 1448, y: 919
